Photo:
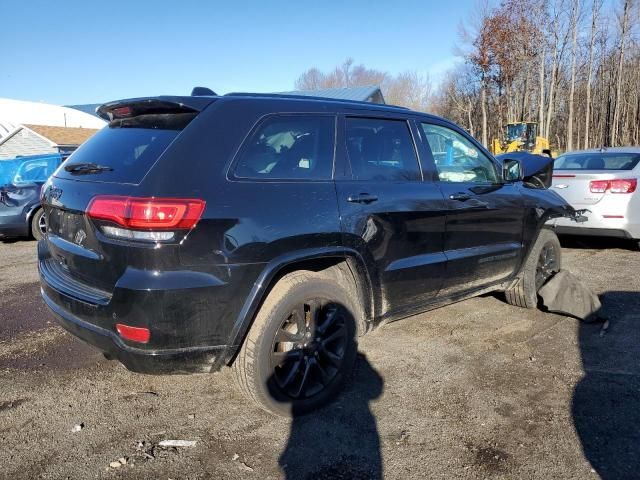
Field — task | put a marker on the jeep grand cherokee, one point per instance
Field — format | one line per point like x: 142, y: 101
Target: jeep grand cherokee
x: 267, y: 232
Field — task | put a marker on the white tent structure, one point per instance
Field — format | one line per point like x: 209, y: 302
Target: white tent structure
x: 18, y: 112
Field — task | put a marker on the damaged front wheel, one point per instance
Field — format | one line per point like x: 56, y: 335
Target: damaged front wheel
x: 543, y: 261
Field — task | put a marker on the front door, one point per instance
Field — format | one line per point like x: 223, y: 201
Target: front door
x: 483, y: 241
x: 388, y: 213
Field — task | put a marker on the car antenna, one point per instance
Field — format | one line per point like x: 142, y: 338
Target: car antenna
x: 203, y: 92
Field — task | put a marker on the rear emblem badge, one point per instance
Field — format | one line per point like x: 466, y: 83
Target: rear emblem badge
x: 563, y: 185
x: 80, y: 236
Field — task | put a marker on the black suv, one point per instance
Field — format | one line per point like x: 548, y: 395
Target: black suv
x: 267, y: 232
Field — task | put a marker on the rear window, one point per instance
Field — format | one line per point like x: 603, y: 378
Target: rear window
x: 126, y: 149
x: 597, y: 161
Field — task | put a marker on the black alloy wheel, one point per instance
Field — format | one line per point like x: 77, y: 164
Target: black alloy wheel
x: 547, y: 264
x: 309, y: 348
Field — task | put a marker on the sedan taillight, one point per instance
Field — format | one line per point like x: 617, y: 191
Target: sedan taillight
x: 615, y: 186
x: 624, y: 186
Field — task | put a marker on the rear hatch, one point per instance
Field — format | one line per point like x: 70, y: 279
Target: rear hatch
x: 91, y: 198
x: 584, y: 178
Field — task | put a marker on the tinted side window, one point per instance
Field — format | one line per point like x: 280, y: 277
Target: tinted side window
x: 456, y: 158
x: 381, y: 149
x: 289, y: 147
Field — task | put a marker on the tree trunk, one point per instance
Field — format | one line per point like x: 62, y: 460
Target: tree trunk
x: 616, y: 108
x: 554, y: 73
x: 595, y: 9
x: 543, y: 131
x: 483, y: 102
x: 575, y: 13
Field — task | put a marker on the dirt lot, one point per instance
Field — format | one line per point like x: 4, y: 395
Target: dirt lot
x: 479, y: 389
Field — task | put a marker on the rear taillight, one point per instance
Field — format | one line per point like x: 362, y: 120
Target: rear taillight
x: 598, y: 186
x: 146, y: 218
x: 624, y: 186
x: 615, y: 186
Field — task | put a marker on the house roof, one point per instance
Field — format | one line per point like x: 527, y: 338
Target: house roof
x: 362, y: 94
x: 6, y: 129
x: 63, y: 135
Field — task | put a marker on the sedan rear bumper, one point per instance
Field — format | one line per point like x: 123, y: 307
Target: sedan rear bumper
x: 605, y: 219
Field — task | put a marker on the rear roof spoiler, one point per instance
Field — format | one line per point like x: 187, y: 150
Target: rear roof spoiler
x: 148, y: 105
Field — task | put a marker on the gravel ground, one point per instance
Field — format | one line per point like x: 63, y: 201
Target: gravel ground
x: 478, y: 389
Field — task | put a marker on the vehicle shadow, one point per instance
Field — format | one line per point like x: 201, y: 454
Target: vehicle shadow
x: 597, y: 243
x: 606, y: 402
x: 10, y: 240
x: 340, y: 441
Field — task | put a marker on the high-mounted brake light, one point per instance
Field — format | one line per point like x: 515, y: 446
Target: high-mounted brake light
x: 615, y: 186
x: 147, y: 213
x: 121, y: 112
x: 135, y: 334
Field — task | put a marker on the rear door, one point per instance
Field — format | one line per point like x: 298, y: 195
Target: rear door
x: 484, y: 225
x: 388, y: 213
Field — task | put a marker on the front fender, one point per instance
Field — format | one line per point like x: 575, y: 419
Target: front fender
x: 542, y: 205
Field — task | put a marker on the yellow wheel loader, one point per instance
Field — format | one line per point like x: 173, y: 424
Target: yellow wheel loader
x: 521, y: 137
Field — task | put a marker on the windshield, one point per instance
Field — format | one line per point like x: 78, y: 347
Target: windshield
x: 28, y: 170
x: 597, y: 161
x: 516, y: 132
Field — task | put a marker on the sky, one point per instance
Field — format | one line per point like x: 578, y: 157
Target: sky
x: 74, y: 52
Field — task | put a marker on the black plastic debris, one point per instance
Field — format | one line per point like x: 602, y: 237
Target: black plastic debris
x: 566, y: 294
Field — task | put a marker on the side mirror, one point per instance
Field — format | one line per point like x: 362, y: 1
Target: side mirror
x: 511, y: 171
x: 535, y: 170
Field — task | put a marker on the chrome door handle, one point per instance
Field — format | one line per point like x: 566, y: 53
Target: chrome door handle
x: 460, y: 196
x: 362, y: 198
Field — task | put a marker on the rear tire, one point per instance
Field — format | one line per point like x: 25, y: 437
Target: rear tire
x: 544, y: 259
x: 301, y: 346
x: 38, y: 224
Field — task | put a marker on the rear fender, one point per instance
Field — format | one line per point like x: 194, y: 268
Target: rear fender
x: 272, y: 272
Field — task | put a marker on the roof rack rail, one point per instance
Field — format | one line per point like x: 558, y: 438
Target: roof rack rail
x: 311, y: 97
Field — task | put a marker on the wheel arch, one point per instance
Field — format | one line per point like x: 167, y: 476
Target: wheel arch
x: 340, y: 261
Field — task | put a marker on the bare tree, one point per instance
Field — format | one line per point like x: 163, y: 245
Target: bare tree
x: 575, y: 15
x: 624, y: 30
x: 596, y: 6
x: 408, y: 89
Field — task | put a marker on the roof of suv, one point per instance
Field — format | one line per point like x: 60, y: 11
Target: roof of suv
x: 198, y: 103
x: 341, y: 101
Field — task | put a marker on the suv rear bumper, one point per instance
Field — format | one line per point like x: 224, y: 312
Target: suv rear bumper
x: 191, y: 315
x: 180, y: 360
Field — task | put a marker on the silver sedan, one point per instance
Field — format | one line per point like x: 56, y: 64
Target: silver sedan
x: 604, y: 181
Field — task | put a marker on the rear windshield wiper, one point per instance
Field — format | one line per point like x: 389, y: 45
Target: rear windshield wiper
x: 81, y: 168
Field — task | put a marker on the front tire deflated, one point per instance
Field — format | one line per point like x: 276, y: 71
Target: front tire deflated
x: 302, y: 344
x: 544, y: 260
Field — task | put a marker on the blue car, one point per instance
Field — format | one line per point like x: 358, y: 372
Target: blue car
x: 20, y: 182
